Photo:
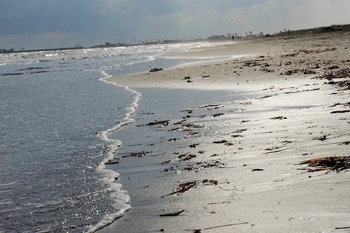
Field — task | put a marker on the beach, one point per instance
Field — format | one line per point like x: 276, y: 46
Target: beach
x: 226, y: 141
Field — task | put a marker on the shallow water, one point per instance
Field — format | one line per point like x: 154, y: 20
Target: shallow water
x: 50, y: 151
x: 56, y: 118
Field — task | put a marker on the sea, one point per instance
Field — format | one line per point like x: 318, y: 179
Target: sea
x: 57, y: 112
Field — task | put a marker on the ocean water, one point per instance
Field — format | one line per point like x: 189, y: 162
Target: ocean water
x: 56, y: 114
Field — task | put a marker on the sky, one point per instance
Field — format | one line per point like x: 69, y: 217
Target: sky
x: 32, y: 24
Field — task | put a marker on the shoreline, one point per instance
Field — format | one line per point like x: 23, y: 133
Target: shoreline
x: 238, y: 168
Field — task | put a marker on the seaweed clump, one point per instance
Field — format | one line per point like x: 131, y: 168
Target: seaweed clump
x: 333, y: 163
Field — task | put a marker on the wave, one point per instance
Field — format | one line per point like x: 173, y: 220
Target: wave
x: 120, y: 197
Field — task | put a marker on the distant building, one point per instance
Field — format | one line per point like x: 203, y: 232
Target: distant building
x: 219, y: 37
x: 172, y: 41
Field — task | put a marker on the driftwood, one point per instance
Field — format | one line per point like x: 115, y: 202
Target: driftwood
x: 342, y: 104
x: 172, y: 214
x: 161, y: 122
x: 220, y: 142
x: 216, y: 227
x: 225, y: 142
x: 333, y: 163
x: 183, y: 187
x: 187, y: 156
x: 266, y: 96
x: 174, y: 129
x: 180, y: 122
x: 218, y: 114
x: 342, y: 228
x: 340, y: 111
x: 136, y: 154
x: 278, y: 118
x: 211, y: 106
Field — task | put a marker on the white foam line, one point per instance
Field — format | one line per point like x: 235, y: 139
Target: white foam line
x: 121, y: 197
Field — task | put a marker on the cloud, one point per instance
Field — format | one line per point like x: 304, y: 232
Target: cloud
x: 97, y: 21
x: 319, y: 13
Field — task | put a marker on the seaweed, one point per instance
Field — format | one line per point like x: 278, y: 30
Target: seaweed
x: 332, y: 163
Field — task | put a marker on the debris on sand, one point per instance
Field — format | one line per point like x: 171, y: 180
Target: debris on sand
x: 266, y: 96
x: 336, y: 74
x: 321, y: 138
x: 161, y: 122
x: 211, y: 106
x: 225, y: 142
x: 340, y: 111
x: 172, y: 214
x: 347, y: 104
x: 239, y: 131
x: 183, y: 187
x: 203, y: 165
x: 298, y: 71
x: 136, y: 154
x: 278, y: 118
x: 218, y: 114
x: 257, y: 170
x: 210, y: 182
x: 220, y: 142
x: 333, y: 163
x: 155, y: 70
x: 187, y: 156
x: 216, y: 227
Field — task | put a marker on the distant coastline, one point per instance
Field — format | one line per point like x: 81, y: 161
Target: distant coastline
x: 38, y: 50
x: 233, y: 36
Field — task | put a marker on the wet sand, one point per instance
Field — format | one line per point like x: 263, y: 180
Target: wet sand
x: 222, y: 163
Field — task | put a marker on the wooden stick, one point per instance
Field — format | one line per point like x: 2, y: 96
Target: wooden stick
x: 215, y: 227
x: 172, y: 214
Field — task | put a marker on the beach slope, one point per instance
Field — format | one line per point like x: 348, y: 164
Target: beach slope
x: 245, y: 165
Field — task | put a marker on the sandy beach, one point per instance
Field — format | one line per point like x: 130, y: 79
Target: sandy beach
x: 217, y: 163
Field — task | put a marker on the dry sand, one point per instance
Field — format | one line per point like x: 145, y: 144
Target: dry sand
x: 247, y: 176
